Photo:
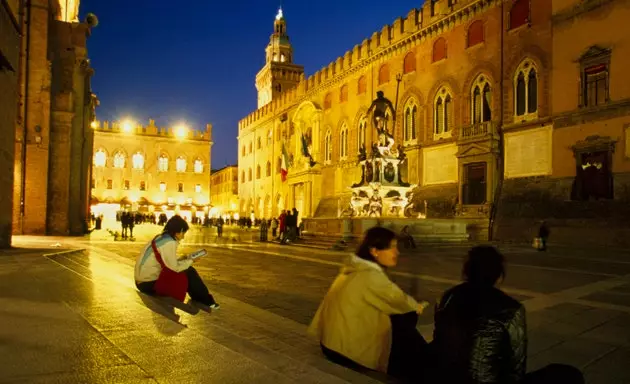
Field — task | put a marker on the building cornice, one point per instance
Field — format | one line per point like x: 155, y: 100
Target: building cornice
x: 577, y: 10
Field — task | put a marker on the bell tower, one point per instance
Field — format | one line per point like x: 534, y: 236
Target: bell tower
x: 279, y: 73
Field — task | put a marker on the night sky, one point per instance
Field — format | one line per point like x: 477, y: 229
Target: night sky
x: 160, y: 59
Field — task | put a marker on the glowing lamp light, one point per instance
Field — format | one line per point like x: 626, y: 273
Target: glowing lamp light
x: 127, y: 126
x: 94, y: 124
x: 181, y: 131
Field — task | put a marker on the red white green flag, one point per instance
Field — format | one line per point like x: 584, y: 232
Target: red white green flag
x: 284, y: 168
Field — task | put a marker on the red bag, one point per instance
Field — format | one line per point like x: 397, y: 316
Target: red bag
x: 170, y: 283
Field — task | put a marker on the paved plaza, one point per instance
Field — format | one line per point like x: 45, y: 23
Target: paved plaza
x: 70, y: 312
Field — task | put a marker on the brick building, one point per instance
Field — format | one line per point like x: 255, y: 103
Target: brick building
x: 150, y: 169
x: 53, y: 146
x: 10, y: 21
x: 510, y: 113
x: 224, y: 191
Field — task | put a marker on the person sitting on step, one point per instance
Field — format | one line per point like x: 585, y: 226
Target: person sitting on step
x: 159, y: 271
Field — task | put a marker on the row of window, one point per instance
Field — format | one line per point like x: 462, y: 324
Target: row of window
x: 519, y: 16
x: 119, y: 160
x: 109, y: 184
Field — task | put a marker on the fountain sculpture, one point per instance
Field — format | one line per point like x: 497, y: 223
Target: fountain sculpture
x: 382, y: 191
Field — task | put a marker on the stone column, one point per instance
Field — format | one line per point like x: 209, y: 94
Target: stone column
x: 308, y: 199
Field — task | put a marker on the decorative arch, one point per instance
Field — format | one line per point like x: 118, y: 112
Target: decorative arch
x: 526, y: 89
x: 343, y: 93
x: 443, y: 112
x: 475, y: 33
x: 481, y: 99
x: 410, y: 119
x: 409, y: 63
x: 328, y: 101
x: 307, y: 120
x: 383, y: 74
x: 362, y: 85
x: 440, y: 49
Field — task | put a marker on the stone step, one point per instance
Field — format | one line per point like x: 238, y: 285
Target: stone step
x: 133, y: 320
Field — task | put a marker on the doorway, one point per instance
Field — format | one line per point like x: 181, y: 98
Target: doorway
x: 475, y: 184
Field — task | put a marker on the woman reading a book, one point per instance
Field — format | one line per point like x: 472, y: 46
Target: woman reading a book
x: 160, y: 272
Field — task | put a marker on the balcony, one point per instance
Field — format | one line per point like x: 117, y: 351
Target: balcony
x: 478, y: 131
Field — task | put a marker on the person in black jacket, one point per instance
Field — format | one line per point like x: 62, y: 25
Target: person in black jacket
x: 480, y: 333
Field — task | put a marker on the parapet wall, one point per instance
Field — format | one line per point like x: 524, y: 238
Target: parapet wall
x: 430, y: 21
x: 153, y: 130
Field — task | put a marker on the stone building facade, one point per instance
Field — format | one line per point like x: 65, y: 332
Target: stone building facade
x: 53, y: 138
x: 585, y: 193
x: 10, y: 23
x: 150, y: 169
x: 224, y: 192
x: 506, y: 118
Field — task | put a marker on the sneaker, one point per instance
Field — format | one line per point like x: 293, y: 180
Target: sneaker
x: 214, y: 306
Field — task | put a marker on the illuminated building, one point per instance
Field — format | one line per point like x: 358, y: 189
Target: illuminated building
x: 151, y: 169
x: 224, y: 191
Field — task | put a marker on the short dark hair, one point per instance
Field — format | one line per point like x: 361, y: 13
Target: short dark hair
x: 175, y: 225
x: 377, y: 237
x: 484, y: 265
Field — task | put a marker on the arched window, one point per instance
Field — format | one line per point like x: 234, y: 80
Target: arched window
x: 328, y: 147
x: 481, y: 96
x: 526, y: 90
x: 243, y: 151
x: 198, y: 166
x: 439, y: 49
x: 361, y: 85
x: 242, y: 176
x: 258, y: 172
x: 268, y: 170
x: 383, y: 74
x: 475, y: 33
x: 100, y: 158
x: 138, y: 161
x: 443, y: 113
x: 519, y: 14
x: 163, y: 163
x: 259, y: 143
x: 251, y: 147
x: 269, y: 137
x: 411, y: 120
x: 362, y: 130
x: 249, y: 174
x: 328, y: 101
x: 180, y: 164
x: 343, y: 141
x: 343, y: 93
x: 119, y: 160
x: 279, y: 165
x: 409, y: 63
x: 283, y: 58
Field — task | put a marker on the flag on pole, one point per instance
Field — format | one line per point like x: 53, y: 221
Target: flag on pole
x: 284, y: 169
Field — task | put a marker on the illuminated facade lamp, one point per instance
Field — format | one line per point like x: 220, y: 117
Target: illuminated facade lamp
x: 94, y: 124
x: 127, y: 126
x: 181, y: 131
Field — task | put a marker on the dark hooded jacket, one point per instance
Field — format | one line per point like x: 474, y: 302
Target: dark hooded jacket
x: 480, y: 336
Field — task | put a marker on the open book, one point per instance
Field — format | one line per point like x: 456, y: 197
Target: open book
x: 197, y: 254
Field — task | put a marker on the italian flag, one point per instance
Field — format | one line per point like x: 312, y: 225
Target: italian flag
x: 284, y: 168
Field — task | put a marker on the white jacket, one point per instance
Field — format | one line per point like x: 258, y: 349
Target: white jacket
x: 147, y: 267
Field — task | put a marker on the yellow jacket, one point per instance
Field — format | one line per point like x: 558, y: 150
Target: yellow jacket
x: 353, y: 319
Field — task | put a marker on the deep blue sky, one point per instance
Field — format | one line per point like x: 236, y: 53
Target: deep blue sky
x: 196, y: 61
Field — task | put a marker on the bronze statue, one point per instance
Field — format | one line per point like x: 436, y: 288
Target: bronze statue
x: 379, y: 109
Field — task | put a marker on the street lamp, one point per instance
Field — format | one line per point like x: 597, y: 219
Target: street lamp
x: 181, y: 131
x: 127, y: 126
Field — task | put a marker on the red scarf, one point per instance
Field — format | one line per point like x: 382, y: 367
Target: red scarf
x: 169, y: 283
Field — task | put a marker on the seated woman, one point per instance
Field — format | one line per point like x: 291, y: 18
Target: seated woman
x: 159, y: 271
x: 480, y: 334
x: 354, y: 321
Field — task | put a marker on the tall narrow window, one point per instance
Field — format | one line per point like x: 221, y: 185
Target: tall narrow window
x: 409, y: 124
x: 119, y: 160
x: 361, y: 85
x: 328, y: 147
x: 138, y: 161
x: 242, y: 176
x: 249, y: 174
x: 180, y: 164
x: 481, y: 100
x: 162, y: 187
x: 109, y: 184
x: 409, y: 63
x: 328, y: 101
x: 258, y: 172
x: 143, y: 186
x: 383, y: 74
x: 198, y: 188
x: 439, y: 49
x: 180, y: 187
x: 198, y: 166
x: 443, y: 113
x: 126, y: 185
x: 519, y: 14
x: 163, y: 163
x: 526, y: 91
x: 475, y: 33
x: 362, y: 128
x: 343, y: 93
x: 100, y: 158
x: 595, y: 81
x: 268, y: 169
x: 343, y: 141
